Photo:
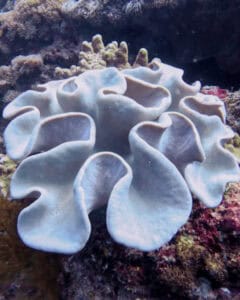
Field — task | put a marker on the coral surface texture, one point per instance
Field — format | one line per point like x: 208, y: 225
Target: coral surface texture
x: 139, y: 141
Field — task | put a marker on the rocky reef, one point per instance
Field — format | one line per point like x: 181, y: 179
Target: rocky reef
x: 32, y: 23
x: 22, y: 272
x: 233, y: 110
x: 28, y: 20
x: 62, y: 60
x: 202, y: 262
x: 162, y: 21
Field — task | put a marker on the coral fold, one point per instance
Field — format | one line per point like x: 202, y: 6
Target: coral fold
x: 137, y: 141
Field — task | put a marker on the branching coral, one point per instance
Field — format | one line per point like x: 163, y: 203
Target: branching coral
x: 95, y: 55
x: 62, y: 60
x: 137, y: 140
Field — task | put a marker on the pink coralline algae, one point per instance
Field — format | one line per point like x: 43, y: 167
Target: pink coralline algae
x: 202, y: 262
x: 215, y: 91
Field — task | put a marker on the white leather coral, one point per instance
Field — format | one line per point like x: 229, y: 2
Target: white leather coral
x: 138, y: 141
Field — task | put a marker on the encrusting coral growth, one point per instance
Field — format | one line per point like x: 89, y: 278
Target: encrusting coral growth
x: 21, y: 68
x: 234, y: 146
x: 202, y: 262
x: 28, y: 21
x: 95, y: 11
x: 233, y: 110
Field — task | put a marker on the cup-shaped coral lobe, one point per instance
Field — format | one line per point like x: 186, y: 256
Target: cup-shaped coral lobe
x: 167, y: 76
x: 141, y: 101
x: 180, y: 141
x: 33, y: 136
x: 208, y: 179
x: 18, y: 134
x: 201, y: 104
x: 28, y: 109
x: 62, y: 128
x: 57, y: 221
x: 137, y: 141
x: 153, y: 205
x: 44, y: 100
x: 81, y: 93
x: 99, y: 176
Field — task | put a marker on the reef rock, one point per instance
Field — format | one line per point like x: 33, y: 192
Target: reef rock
x: 175, y: 30
x: 202, y: 262
x: 233, y: 110
x: 180, y: 27
x: 6, y: 5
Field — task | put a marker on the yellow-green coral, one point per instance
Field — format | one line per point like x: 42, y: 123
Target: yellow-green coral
x: 94, y: 55
x: 234, y: 146
x: 214, y: 265
x: 189, y: 252
x: 7, y: 167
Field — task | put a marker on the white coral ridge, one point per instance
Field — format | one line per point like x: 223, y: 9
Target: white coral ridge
x: 138, y: 141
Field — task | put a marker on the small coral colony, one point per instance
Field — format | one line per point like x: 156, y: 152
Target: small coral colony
x: 139, y: 141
